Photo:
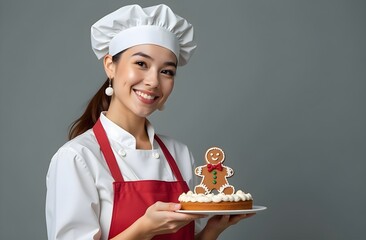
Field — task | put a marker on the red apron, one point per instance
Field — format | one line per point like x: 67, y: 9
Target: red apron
x: 132, y: 198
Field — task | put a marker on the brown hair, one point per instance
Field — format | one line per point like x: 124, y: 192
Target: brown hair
x: 100, y: 102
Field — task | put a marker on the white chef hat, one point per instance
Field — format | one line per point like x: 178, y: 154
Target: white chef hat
x: 132, y: 25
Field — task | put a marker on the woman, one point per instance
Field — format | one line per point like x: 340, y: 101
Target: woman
x: 115, y: 178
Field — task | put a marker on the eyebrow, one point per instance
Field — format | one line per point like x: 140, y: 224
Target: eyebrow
x: 168, y: 63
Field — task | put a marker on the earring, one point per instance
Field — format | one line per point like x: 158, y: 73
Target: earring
x: 109, y: 89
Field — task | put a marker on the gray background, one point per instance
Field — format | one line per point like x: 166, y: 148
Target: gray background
x: 279, y: 85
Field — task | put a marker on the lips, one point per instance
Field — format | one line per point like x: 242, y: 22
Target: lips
x: 146, y: 97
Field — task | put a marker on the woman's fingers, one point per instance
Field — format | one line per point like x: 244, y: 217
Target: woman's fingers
x: 237, y: 218
x: 234, y: 219
x: 161, y: 218
x: 172, y: 207
x: 163, y: 206
x: 220, y: 222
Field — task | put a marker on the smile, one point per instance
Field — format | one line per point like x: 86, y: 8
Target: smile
x: 144, y: 95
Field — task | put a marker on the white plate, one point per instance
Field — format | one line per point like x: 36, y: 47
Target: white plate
x: 224, y: 212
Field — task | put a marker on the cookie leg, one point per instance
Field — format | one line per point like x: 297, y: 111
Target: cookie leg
x: 201, y: 189
x: 227, y: 189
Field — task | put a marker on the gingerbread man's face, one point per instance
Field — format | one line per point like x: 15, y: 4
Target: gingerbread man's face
x: 215, y: 155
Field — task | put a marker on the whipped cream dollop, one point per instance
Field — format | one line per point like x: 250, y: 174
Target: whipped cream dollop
x: 221, y: 197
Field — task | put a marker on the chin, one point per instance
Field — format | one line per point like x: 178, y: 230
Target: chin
x: 145, y: 114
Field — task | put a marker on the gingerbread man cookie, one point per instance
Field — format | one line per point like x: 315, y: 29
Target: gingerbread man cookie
x: 214, y: 174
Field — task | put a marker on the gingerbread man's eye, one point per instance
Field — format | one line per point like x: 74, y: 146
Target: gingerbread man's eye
x: 217, y: 154
x: 211, y: 154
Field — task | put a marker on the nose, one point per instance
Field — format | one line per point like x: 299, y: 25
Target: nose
x: 152, y: 79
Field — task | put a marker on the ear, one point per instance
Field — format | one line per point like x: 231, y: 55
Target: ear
x: 109, y: 66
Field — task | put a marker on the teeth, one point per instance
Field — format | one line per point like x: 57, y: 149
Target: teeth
x: 144, y: 95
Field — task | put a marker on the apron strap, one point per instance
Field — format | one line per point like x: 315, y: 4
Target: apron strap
x: 169, y: 157
x: 107, y: 151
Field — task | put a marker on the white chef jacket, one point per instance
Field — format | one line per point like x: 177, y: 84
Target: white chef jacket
x: 79, y: 198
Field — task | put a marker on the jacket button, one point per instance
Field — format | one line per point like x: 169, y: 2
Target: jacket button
x: 156, y: 155
x: 122, y: 152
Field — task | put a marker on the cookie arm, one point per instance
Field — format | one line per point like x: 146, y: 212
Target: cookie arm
x: 229, y: 172
x: 198, y: 171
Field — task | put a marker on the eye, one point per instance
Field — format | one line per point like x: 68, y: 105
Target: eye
x: 217, y: 154
x: 141, y: 63
x: 211, y: 154
x: 168, y: 72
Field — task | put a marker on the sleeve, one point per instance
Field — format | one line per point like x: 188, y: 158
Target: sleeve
x: 72, y: 202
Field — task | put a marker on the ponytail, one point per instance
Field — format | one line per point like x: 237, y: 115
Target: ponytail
x: 100, y: 102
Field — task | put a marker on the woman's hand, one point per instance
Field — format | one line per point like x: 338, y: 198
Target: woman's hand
x: 159, y: 218
x: 217, y: 224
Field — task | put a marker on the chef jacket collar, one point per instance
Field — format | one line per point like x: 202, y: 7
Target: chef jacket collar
x: 120, y: 135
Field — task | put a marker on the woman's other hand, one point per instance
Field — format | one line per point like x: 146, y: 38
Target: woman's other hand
x: 218, y: 223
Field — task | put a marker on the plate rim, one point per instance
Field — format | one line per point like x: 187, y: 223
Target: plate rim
x: 255, y: 208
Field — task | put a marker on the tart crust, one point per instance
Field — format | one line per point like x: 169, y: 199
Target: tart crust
x: 241, y: 205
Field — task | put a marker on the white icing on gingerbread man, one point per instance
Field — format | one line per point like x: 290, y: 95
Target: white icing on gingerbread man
x: 214, y: 174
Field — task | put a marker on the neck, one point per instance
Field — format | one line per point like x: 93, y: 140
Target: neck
x: 133, y: 124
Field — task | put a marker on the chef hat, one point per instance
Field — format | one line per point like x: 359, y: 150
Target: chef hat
x: 132, y: 25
